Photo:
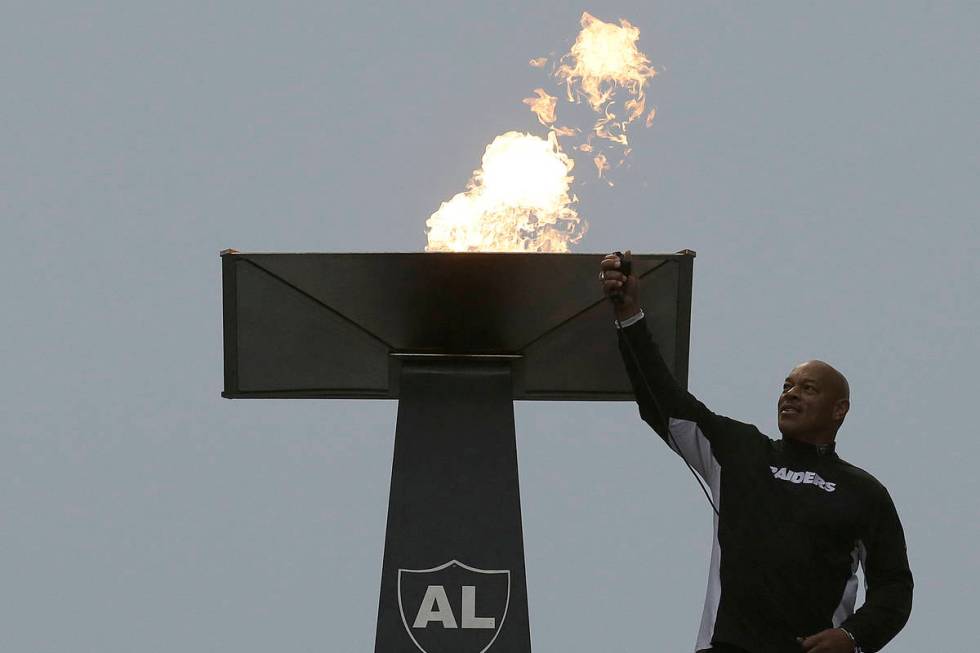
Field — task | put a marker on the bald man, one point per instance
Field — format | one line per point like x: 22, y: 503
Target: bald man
x: 793, y: 520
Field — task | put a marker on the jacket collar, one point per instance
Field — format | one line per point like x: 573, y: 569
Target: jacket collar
x: 798, y: 446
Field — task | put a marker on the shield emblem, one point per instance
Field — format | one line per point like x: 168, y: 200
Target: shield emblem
x: 453, y: 608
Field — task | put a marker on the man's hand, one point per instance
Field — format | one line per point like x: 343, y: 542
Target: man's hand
x: 613, y: 281
x: 832, y: 640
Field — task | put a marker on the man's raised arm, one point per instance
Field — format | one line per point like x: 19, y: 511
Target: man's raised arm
x: 701, y: 437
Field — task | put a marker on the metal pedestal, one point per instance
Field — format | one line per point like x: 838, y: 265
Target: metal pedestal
x: 453, y: 576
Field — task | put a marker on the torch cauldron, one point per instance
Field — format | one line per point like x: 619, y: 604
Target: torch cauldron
x: 456, y: 338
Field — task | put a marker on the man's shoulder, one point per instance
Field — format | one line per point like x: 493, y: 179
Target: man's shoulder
x: 742, y: 432
x: 863, y: 477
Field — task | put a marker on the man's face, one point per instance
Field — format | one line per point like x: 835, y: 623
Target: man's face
x: 813, y: 401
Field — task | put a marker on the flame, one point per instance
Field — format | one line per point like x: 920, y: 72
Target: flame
x: 603, y: 60
x: 543, y: 106
x: 519, y: 200
x: 635, y: 107
x: 601, y: 163
x: 650, y: 117
x: 608, y: 128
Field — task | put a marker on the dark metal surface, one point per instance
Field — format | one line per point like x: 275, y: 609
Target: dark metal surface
x: 326, y: 325
x: 454, y: 497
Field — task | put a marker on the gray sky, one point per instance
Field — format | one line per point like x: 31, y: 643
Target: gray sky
x: 820, y: 157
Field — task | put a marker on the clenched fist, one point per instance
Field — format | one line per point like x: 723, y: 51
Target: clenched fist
x: 617, y: 286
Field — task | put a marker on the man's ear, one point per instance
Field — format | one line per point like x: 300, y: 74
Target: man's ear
x: 841, y: 406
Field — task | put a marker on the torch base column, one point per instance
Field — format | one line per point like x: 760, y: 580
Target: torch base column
x: 453, y: 576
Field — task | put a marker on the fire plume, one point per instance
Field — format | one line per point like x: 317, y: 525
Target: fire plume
x: 603, y: 60
x: 519, y: 200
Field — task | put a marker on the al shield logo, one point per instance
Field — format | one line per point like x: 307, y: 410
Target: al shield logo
x: 453, y: 608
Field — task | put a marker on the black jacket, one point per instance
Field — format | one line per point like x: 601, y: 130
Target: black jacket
x: 795, y: 520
